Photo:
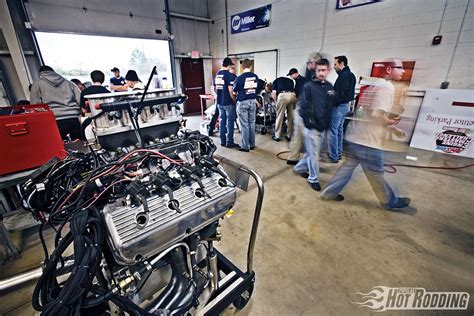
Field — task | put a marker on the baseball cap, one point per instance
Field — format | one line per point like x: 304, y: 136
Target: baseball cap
x: 292, y: 71
x: 114, y: 69
x: 227, y: 62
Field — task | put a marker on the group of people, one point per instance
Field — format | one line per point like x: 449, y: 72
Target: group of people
x: 66, y: 98
x: 314, y: 108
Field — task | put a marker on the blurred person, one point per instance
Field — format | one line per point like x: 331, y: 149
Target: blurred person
x: 78, y: 83
x: 345, y: 90
x: 284, y: 94
x: 133, y: 82
x: 317, y: 100
x: 98, y: 79
x: 63, y: 97
x: 225, y: 100
x: 117, y: 82
x: 296, y: 143
x: 246, y: 88
x: 365, y: 140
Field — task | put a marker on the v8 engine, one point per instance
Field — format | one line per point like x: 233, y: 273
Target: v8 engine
x: 141, y: 224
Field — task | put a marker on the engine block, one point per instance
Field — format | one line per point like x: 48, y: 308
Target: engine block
x: 134, y: 236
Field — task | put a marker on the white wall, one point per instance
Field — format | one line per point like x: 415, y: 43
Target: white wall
x: 391, y: 28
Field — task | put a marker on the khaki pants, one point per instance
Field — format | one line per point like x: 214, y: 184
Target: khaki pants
x: 286, y: 102
x: 296, y: 144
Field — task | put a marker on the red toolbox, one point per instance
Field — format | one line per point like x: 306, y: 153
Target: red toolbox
x: 29, y: 137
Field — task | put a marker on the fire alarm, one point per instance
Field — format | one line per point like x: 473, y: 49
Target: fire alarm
x: 437, y: 40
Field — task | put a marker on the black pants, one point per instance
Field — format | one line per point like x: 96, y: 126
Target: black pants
x: 212, y: 124
x: 71, y: 127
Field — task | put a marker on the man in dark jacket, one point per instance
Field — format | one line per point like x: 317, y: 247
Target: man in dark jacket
x: 315, y: 109
x: 344, y: 88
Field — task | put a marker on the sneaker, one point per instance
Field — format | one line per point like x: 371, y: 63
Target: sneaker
x: 288, y: 138
x: 338, y: 198
x: 222, y: 144
x: 252, y: 148
x: 233, y: 145
x: 244, y: 150
x: 276, y: 139
x: 291, y: 162
x: 315, y: 186
x: 400, y: 203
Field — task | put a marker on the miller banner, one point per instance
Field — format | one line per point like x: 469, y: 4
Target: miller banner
x: 251, y: 19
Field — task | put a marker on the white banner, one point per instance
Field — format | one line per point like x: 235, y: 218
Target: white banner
x: 445, y: 123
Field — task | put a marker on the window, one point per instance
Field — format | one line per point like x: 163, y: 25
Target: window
x: 75, y: 56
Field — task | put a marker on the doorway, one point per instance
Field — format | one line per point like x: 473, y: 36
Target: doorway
x: 192, y: 73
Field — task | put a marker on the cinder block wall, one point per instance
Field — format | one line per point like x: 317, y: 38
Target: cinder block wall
x: 390, y: 28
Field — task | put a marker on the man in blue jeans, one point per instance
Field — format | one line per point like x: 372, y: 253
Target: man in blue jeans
x: 367, y: 138
x: 344, y: 88
x: 315, y: 109
x: 225, y: 101
x: 246, y: 86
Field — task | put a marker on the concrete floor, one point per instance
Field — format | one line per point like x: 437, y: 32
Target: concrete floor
x: 312, y: 256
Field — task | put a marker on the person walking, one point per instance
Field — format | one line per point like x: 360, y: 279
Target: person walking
x: 318, y: 99
x: 366, y: 139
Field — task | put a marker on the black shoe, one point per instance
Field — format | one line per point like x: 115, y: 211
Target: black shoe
x: 291, y: 162
x: 288, y: 138
x: 401, y: 203
x: 276, y: 139
x: 315, y: 186
x: 222, y: 144
x: 302, y: 174
x: 233, y: 145
x: 252, y: 148
x: 338, y: 198
x: 244, y: 150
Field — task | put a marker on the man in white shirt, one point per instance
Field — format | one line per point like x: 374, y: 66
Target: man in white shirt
x: 366, y: 137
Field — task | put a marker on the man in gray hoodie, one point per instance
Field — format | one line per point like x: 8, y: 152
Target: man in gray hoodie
x: 63, y: 98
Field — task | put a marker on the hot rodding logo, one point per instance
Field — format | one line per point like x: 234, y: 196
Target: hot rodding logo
x: 382, y: 298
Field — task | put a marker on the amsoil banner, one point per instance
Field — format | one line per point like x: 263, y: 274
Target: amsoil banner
x: 446, y: 122
x: 251, y: 20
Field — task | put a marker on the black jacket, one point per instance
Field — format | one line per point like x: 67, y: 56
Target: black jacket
x: 316, y: 104
x: 300, y: 81
x: 345, y: 86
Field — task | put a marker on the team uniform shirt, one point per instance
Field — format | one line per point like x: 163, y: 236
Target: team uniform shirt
x: 246, y: 86
x: 117, y: 81
x: 223, y: 80
x: 376, y: 101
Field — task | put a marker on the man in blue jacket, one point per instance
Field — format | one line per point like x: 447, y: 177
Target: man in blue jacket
x: 344, y: 88
x: 315, y: 109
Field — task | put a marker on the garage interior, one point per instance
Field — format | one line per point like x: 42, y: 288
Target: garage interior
x: 311, y: 256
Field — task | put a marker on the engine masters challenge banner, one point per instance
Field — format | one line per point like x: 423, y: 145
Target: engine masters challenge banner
x: 446, y: 122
